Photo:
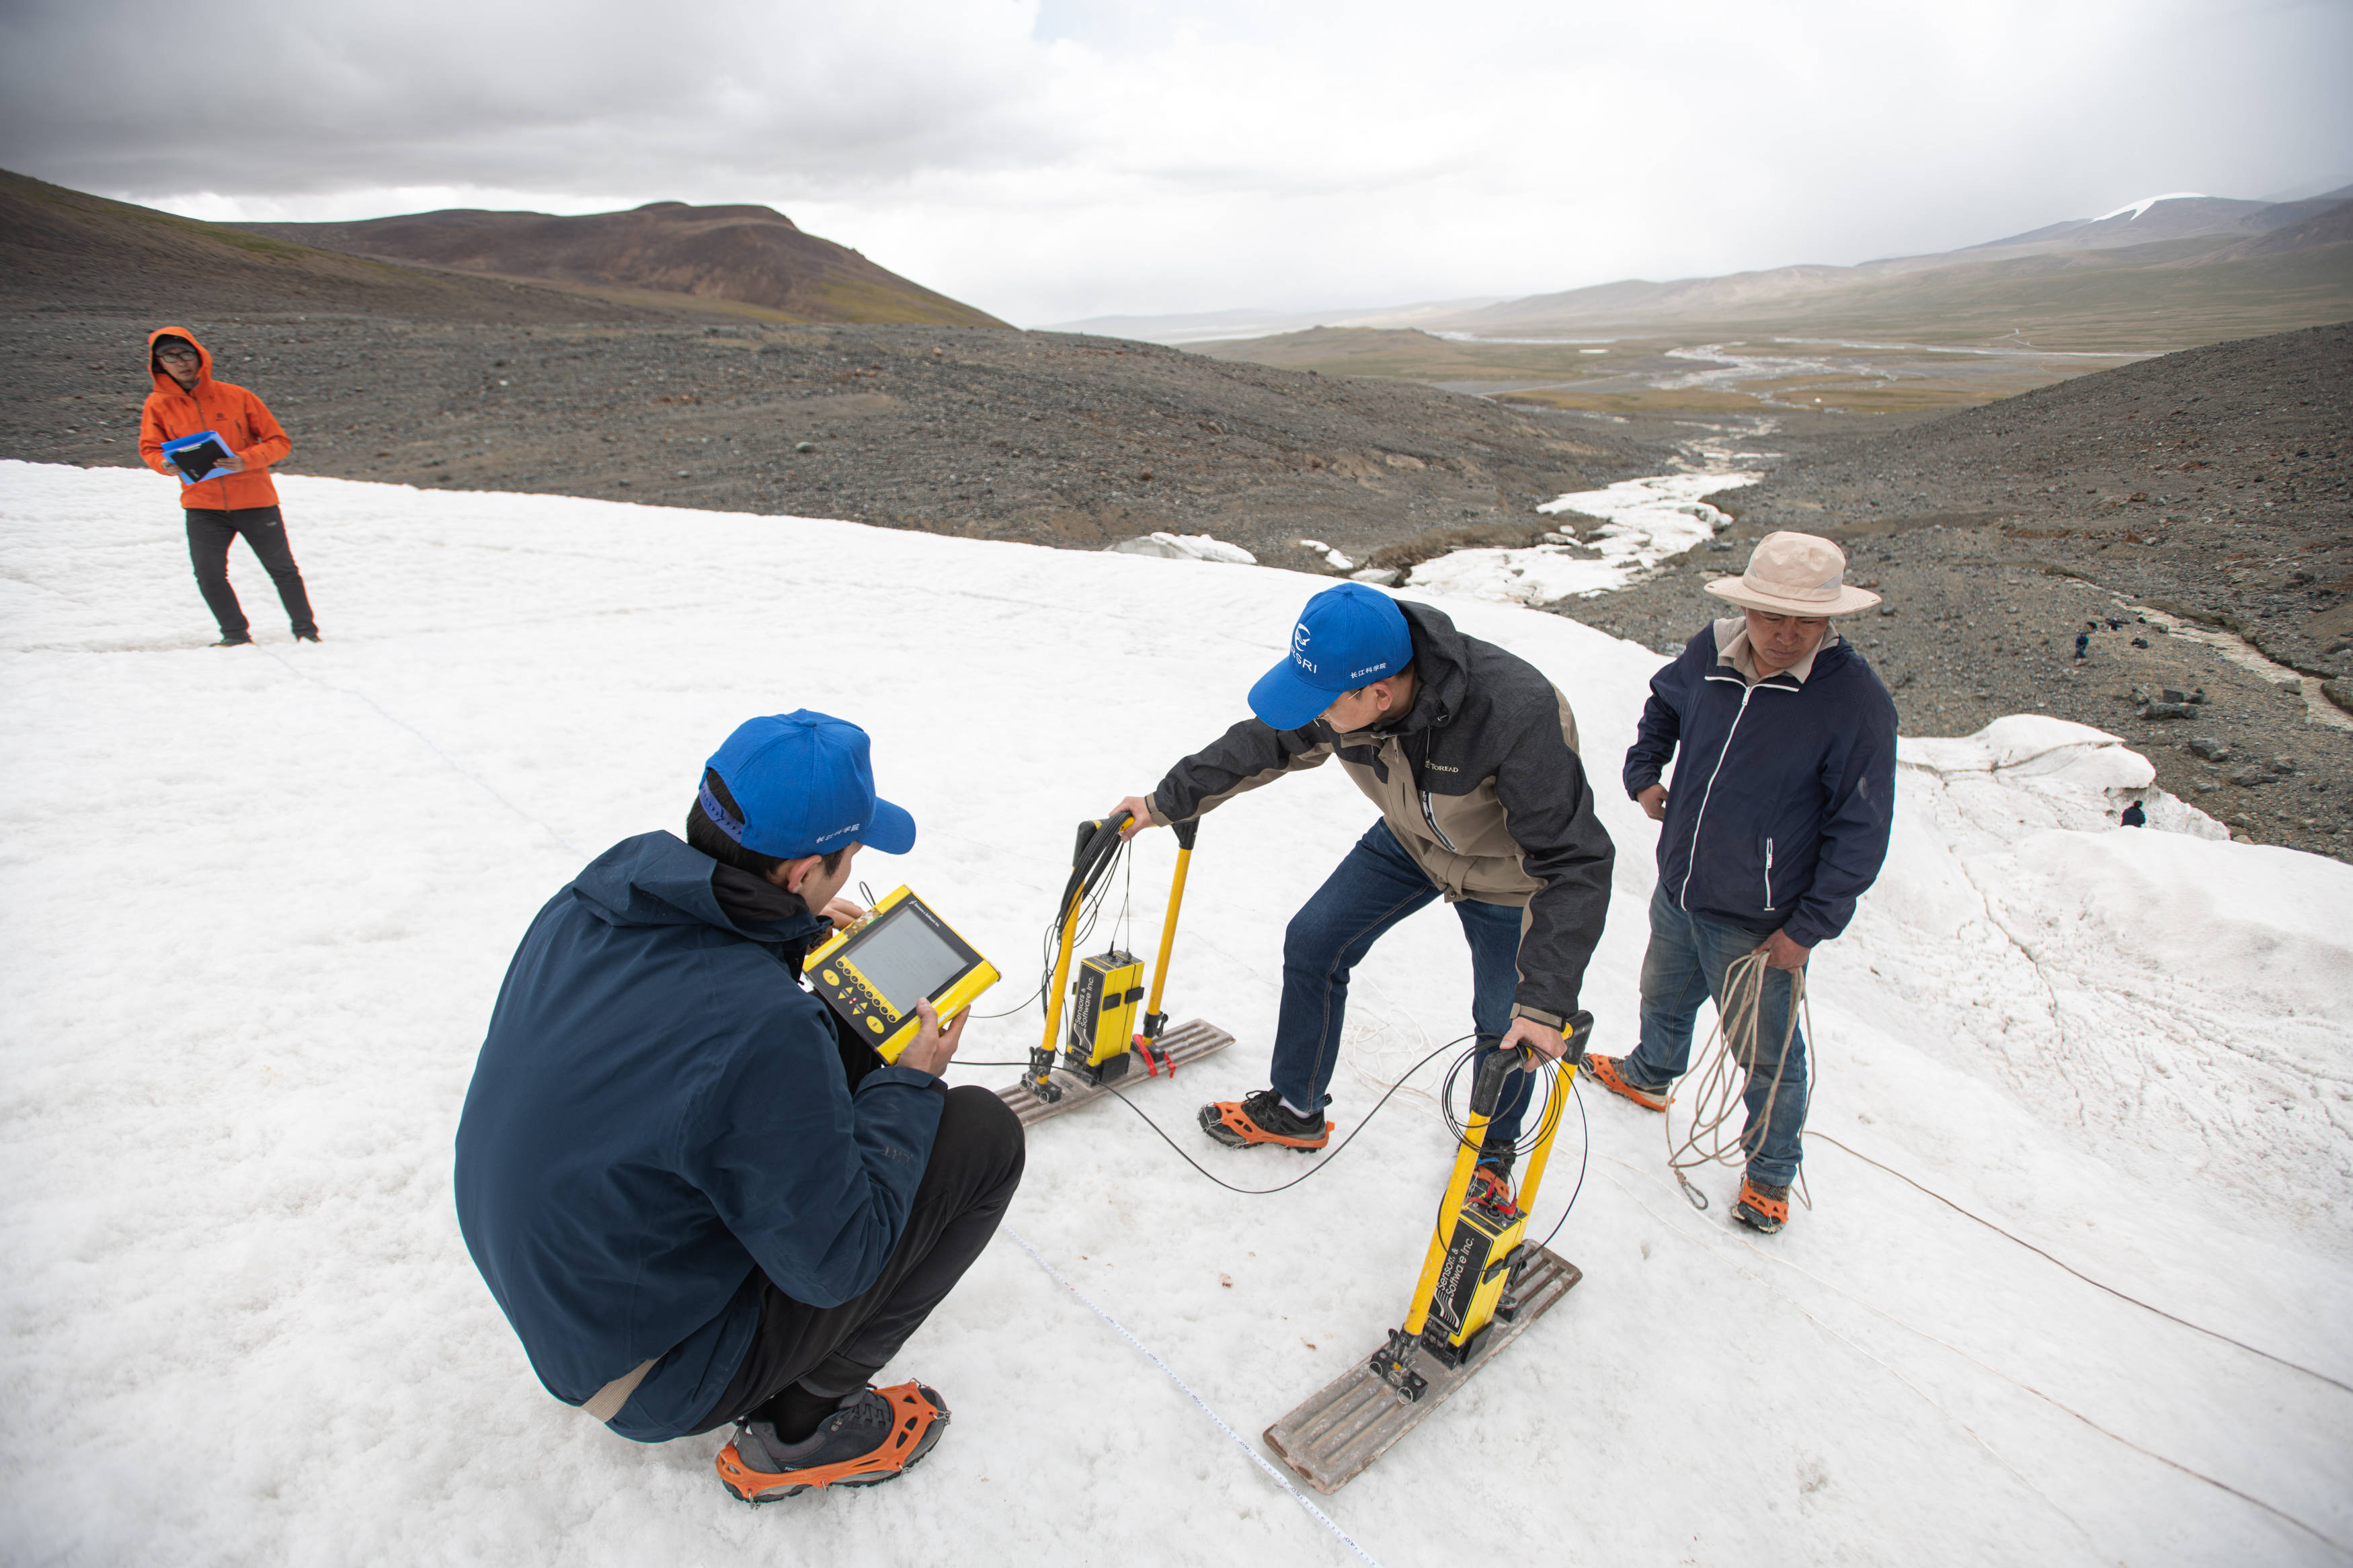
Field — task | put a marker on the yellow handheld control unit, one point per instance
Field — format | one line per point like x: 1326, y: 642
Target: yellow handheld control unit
x: 874, y: 972
x: 1102, y: 1009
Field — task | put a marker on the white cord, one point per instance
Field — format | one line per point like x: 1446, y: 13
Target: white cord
x: 488, y: 788
x: 1255, y: 1457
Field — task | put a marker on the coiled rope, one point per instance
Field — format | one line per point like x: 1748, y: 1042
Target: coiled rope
x: 1725, y: 1062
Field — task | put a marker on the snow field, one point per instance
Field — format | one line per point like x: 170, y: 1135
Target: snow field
x: 258, y: 903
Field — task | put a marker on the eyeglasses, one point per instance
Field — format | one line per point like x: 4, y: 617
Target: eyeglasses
x: 175, y: 354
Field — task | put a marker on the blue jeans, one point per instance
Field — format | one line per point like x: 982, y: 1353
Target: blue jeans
x: 1376, y: 887
x: 1686, y: 965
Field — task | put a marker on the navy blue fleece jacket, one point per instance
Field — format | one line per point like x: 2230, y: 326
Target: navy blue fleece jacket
x: 1784, y: 792
x: 658, y: 1116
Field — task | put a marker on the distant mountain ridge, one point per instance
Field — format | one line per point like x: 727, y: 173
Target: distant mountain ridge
x: 1210, y: 326
x: 2171, y: 233
x: 2331, y: 225
x: 746, y: 255
x: 2165, y: 218
x: 2175, y: 232
x: 64, y: 249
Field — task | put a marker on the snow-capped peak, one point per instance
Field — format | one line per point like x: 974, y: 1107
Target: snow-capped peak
x: 2142, y: 206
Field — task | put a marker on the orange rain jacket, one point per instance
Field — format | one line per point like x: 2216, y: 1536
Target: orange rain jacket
x: 240, y: 419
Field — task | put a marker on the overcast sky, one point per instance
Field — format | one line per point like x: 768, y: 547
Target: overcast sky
x: 1054, y: 159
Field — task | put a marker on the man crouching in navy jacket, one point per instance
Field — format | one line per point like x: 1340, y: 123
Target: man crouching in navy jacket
x: 1778, y: 819
x: 697, y: 1201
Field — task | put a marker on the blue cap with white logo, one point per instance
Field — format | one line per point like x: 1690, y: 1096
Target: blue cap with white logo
x: 804, y: 785
x: 1348, y: 637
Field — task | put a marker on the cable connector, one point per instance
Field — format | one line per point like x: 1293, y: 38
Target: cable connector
x: 1040, y: 1081
x: 1392, y: 1364
x: 1159, y: 1063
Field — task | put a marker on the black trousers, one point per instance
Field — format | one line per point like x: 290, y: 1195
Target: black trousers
x: 210, y: 533
x: 976, y: 1163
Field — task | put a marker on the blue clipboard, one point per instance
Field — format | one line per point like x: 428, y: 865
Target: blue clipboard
x: 189, y: 452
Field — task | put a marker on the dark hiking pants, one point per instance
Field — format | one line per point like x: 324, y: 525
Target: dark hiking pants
x: 1368, y: 893
x: 976, y: 1163
x: 210, y: 533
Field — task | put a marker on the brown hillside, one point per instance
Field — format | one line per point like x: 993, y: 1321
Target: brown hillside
x: 2333, y: 225
x: 64, y: 249
x: 746, y: 255
x: 2218, y: 478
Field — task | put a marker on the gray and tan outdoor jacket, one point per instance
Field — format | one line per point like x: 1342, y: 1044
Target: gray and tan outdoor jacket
x: 1482, y: 784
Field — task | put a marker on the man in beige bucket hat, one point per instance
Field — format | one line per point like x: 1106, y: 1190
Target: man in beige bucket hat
x: 1776, y: 821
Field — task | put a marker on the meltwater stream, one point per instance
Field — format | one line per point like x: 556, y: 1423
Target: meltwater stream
x: 1643, y: 522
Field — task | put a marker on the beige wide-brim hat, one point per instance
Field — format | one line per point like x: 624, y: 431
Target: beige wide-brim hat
x: 1795, y: 575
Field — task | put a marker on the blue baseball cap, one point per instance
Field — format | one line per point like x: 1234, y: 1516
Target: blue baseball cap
x: 1348, y: 637
x: 804, y: 783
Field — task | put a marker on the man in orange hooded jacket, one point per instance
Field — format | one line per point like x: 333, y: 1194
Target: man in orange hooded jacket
x: 241, y: 500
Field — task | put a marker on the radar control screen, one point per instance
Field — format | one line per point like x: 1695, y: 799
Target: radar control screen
x: 905, y: 958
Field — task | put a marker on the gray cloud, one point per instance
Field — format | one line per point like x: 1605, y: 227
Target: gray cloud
x: 1053, y: 158
x: 299, y: 98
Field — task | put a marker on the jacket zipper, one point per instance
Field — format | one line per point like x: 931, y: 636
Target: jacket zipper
x: 1768, y: 876
x: 1706, y: 795
x: 1430, y: 816
x: 1429, y: 812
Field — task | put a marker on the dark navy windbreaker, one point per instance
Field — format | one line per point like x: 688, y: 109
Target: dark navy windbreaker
x: 658, y: 1116
x: 1784, y: 794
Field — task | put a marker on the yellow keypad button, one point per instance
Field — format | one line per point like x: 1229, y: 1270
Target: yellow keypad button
x: 831, y: 978
x: 874, y: 1024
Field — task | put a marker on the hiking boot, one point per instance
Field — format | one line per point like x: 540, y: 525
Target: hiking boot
x: 310, y: 635
x: 874, y: 1437
x: 1763, y: 1206
x: 1263, y: 1117
x: 240, y: 640
x: 1609, y: 1072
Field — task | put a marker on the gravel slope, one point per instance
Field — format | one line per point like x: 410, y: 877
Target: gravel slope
x: 1044, y: 437
x: 2210, y: 485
